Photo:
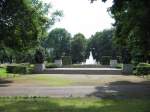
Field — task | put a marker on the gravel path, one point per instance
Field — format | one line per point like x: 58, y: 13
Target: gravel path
x: 102, y: 86
x: 117, y: 91
x: 84, y: 69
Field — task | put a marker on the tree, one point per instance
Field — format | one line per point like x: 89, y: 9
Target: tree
x: 60, y: 40
x: 132, y: 26
x: 23, y: 23
x: 78, y: 48
x: 101, y: 44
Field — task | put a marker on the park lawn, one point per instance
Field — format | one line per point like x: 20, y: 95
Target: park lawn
x: 43, y: 80
x: 72, y: 105
x: 3, y: 73
x: 57, y: 80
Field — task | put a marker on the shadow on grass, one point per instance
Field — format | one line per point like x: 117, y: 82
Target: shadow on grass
x: 52, y: 105
x: 123, y: 90
x: 5, y: 82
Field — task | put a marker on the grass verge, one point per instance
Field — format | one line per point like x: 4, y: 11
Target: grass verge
x: 45, y: 80
x: 3, y: 73
x: 17, y: 104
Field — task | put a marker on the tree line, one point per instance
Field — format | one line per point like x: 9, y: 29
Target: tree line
x: 132, y: 28
x: 78, y: 47
x: 24, y: 28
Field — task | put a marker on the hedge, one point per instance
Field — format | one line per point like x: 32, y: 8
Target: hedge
x: 66, y: 60
x: 142, y: 69
x: 51, y: 65
x: 19, y: 69
x: 105, y: 60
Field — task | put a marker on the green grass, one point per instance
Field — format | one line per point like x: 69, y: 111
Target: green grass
x: 43, y: 80
x: 3, y: 73
x: 53, y: 81
x: 119, y: 65
x: 73, y: 105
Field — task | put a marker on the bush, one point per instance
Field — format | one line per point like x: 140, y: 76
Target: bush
x: 19, y: 69
x: 51, y: 65
x: 39, y: 57
x: 142, y: 69
x: 66, y: 60
x: 49, y: 59
x: 119, y: 59
x: 120, y: 66
x: 16, y: 69
x: 105, y: 60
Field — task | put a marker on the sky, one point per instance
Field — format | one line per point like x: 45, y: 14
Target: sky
x: 80, y: 16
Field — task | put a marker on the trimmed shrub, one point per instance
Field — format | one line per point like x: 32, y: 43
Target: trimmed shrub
x: 142, y: 69
x: 39, y: 57
x: 17, y: 69
x: 119, y: 59
x: 120, y: 66
x: 66, y: 60
x: 105, y: 60
x: 51, y: 65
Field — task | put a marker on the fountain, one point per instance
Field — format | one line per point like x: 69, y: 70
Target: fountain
x: 90, y: 60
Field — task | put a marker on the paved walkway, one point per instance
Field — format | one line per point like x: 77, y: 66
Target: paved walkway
x: 102, y: 86
x: 100, y: 71
x: 117, y: 91
x: 84, y: 69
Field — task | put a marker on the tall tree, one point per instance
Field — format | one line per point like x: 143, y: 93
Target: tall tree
x: 78, y: 48
x: 132, y: 26
x: 60, y: 40
x: 101, y: 44
x: 23, y: 23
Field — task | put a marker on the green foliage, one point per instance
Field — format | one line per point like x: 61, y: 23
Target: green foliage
x: 20, y: 69
x: 60, y: 40
x: 78, y: 48
x: 126, y: 56
x: 120, y: 66
x: 66, y: 60
x: 23, y: 23
x: 49, y: 59
x: 17, y: 69
x: 51, y: 65
x: 142, y: 69
x: 105, y: 60
x: 132, y: 26
x: 39, y: 56
x: 119, y: 59
x: 101, y: 44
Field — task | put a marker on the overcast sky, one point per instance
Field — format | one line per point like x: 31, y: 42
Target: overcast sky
x: 82, y: 16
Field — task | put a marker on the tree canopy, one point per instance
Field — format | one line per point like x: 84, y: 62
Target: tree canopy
x: 132, y: 26
x: 60, y: 40
x: 24, y: 22
x: 78, y: 48
x: 101, y: 44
